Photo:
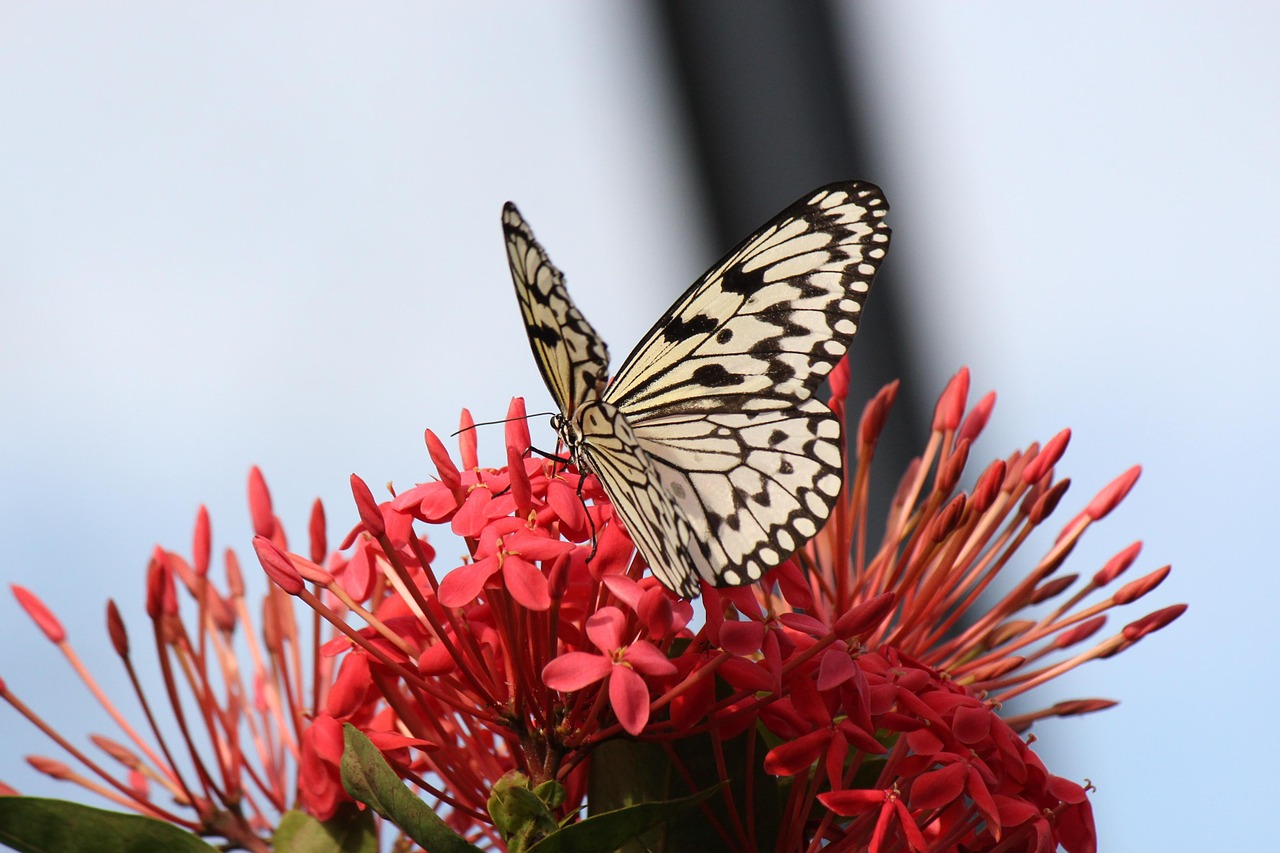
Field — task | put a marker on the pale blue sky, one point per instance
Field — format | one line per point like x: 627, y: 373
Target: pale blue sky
x: 236, y: 236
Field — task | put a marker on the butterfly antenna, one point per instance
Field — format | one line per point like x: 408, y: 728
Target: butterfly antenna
x: 503, y: 421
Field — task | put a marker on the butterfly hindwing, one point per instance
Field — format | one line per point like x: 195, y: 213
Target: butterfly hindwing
x: 756, y: 485
x: 656, y: 525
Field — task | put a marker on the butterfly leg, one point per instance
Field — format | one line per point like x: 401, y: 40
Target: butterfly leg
x: 591, y: 522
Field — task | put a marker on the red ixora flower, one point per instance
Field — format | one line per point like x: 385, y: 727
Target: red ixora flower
x: 622, y: 663
x: 861, y: 683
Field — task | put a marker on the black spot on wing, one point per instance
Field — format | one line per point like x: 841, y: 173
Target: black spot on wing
x: 724, y: 336
x: 738, y: 281
x: 716, y: 376
x: 779, y: 371
x: 810, y: 291
x: 544, y: 334
x: 680, y: 329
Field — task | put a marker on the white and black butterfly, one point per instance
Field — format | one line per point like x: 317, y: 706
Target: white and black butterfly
x: 708, y: 441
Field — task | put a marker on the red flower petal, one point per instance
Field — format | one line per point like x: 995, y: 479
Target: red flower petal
x: 564, y: 499
x: 971, y: 724
x: 574, y: 671
x: 789, y: 759
x: 319, y: 783
x: 604, y: 628
x: 836, y: 667
x: 463, y: 584
x: 747, y: 675
x: 646, y: 658
x: 741, y: 638
x: 937, y: 788
x: 852, y: 802
x: 526, y: 584
x: 536, y: 545
x: 436, y: 660
x: 629, y: 696
x: 349, y: 688
x: 470, y: 518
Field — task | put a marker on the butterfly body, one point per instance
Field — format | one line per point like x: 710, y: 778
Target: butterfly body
x: 708, y: 440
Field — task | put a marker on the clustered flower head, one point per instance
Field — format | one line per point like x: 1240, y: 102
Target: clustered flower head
x: 237, y: 687
x: 850, y: 701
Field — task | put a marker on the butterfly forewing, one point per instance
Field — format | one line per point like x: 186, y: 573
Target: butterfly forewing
x: 573, y: 359
x: 762, y: 328
x: 708, y: 441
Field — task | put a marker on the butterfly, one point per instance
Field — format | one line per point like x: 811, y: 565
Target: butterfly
x: 708, y: 441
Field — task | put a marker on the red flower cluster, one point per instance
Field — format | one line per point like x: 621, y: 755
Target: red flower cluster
x: 848, y: 702
x: 865, y: 682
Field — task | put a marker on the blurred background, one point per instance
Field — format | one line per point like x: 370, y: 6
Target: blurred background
x: 235, y: 235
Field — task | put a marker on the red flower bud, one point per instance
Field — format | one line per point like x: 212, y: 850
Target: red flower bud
x: 41, y: 615
x: 1134, y: 590
x: 1114, y: 492
x: 264, y: 517
x: 278, y: 566
x: 1047, y: 457
x: 367, y: 506
x: 950, y: 408
x: 316, y: 533
x: 976, y: 421
x: 115, y: 630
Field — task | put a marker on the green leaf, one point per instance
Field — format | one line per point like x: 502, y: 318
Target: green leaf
x: 611, y: 830
x: 351, y: 830
x: 625, y: 772
x: 38, y: 825
x: 370, y: 780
